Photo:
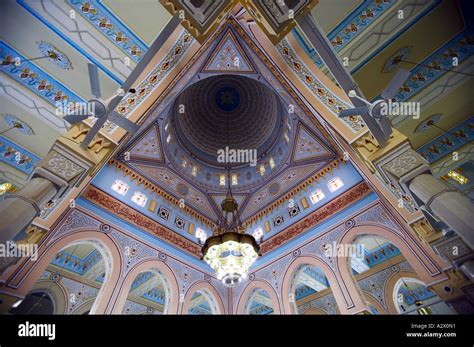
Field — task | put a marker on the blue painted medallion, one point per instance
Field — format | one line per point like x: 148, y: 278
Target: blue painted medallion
x: 227, y: 98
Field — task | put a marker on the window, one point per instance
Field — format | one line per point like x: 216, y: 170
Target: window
x: 457, y: 177
x: 120, y: 187
x: 262, y: 170
x: 317, y: 196
x: 222, y: 180
x: 184, y: 163
x: 194, y: 170
x: 6, y: 187
x: 335, y: 184
x: 287, y: 139
x: 235, y: 179
x: 201, y: 235
x: 168, y: 139
x: 166, y: 127
x: 139, y: 198
x: 258, y: 234
x: 271, y: 162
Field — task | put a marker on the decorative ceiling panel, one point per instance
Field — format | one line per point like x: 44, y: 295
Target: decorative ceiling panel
x: 147, y: 146
x: 289, y: 178
x: 178, y: 187
x: 229, y: 57
x: 309, y: 147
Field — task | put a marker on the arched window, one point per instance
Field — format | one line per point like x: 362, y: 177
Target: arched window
x: 148, y: 294
x: 34, y: 303
x: 310, y: 291
x: 202, y: 303
x: 72, y: 281
x: 317, y: 196
x: 259, y: 303
x: 139, y: 198
x: 335, y: 184
x: 411, y: 296
x: 120, y: 187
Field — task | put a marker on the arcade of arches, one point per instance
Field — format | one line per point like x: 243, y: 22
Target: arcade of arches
x: 344, y: 225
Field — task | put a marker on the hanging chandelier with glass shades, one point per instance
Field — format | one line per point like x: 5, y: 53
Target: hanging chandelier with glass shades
x: 230, y: 251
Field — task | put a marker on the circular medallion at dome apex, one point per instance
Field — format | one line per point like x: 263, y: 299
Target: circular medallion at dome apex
x: 227, y: 98
x: 226, y: 110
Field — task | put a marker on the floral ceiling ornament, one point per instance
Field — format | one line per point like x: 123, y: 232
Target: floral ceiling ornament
x: 392, y: 63
x: 424, y: 125
x: 54, y: 55
x: 13, y: 121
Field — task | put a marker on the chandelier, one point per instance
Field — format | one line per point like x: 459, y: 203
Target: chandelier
x: 230, y: 251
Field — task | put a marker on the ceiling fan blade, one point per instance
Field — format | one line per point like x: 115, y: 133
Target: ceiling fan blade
x: 123, y: 122
x: 386, y: 126
x: 75, y: 118
x: 95, y: 129
x: 375, y: 129
x: 318, y: 38
x: 353, y: 111
x: 395, y: 84
x: 145, y: 60
x: 94, y: 80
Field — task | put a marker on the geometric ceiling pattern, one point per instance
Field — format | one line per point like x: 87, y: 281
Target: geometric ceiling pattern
x: 147, y: 147
x: 297, y: 148
x: 366, y: 32
x: 308, y: 146
x: 225, y: 110
x: 229, y: 57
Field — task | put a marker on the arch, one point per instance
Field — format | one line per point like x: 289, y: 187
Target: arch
x: 374, y: 302
x: 254, y: 285
x: 57, y: 293
x: 425, y: 266
x: 30, y: 271
x: 209, y: 291
x: 38, y: 302
x: 84, y: 307
x: 161, y: 269
x: 390, y: 288
x: 334, y: 283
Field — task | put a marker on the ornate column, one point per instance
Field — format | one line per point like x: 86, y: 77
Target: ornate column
x: 448, y: 204
x: 401, y: 167
x: 55, y: 174
x: 64, y: 167
x: 19, y: 209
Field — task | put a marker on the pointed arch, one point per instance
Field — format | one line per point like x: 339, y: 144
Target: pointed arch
x: 210, y: 292
x: 162, y: 270
x: 421, y: 259
x: 328, y: 272
x: 254, y: 285
x: 29, y: 272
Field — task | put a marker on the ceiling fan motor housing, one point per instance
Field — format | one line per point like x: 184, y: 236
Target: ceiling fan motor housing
x: 98, y: 107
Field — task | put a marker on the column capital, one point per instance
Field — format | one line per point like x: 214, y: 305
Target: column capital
x: 425, y: 232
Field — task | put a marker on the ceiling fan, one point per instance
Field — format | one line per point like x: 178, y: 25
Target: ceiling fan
x: 102, y: 110
x: 105, y: 110
x: 373, y: 111
x: 378, y: 124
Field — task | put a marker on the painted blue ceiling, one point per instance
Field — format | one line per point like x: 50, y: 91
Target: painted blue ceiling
x: 133, y: 45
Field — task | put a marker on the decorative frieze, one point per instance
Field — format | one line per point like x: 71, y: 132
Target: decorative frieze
x: 404, y: 163
x: 61, y: 166
x: 134, y: 217
x: 330, y: 209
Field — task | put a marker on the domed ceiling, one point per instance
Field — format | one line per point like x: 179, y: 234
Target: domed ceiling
x: 241, y: 107
x: 229, y: 110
